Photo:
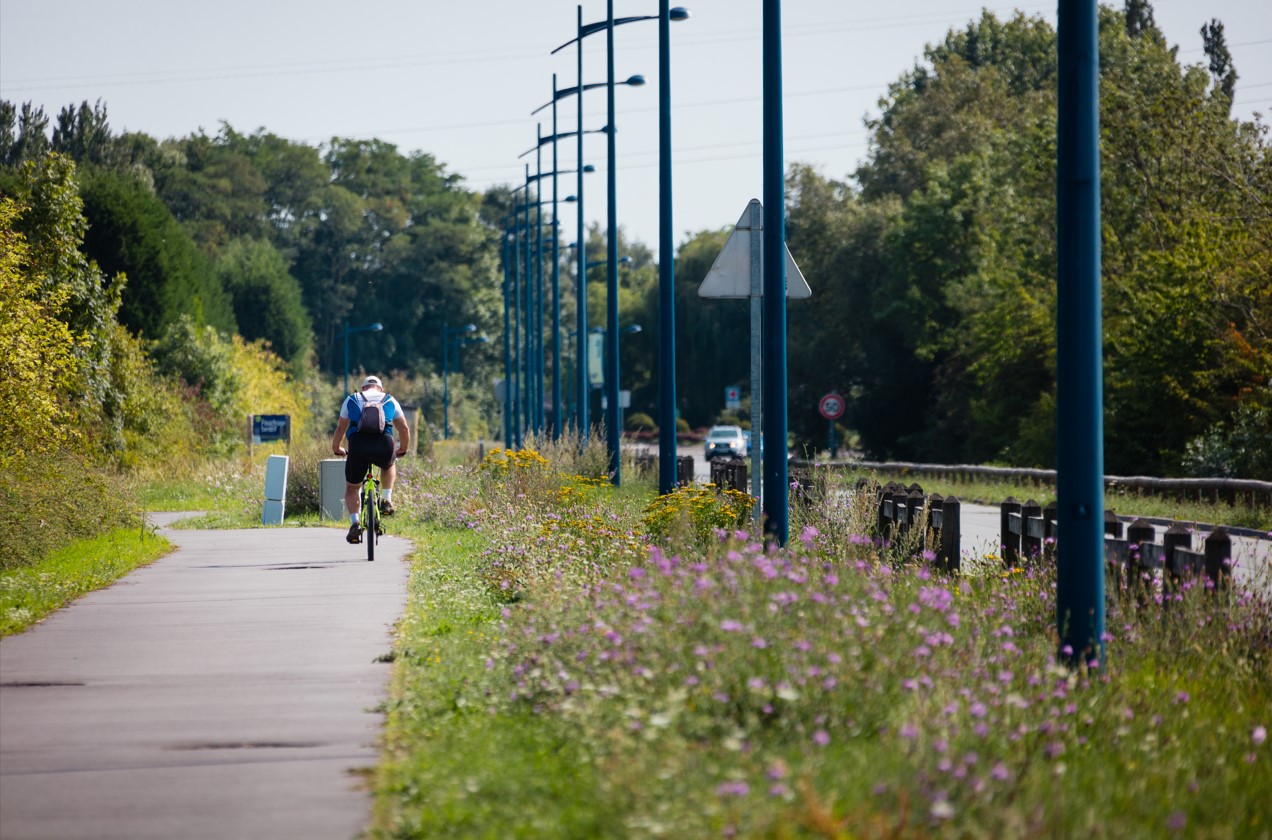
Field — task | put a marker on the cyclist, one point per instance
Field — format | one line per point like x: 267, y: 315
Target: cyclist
x: 369, y: 447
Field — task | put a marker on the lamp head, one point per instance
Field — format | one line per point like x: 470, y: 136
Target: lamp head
x: 678, y: 13
x: 587, y: 167
x: 625, y: 259
x: 376, y: 327
x: 635, y: 81
x: 569, y: 199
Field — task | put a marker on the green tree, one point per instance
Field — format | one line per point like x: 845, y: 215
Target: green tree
x: 38, y: 359
x: 53, y: 224
x: 23, y: 133
x: 133, y: 233
x: 267, y: 299
x: 1219, y: 58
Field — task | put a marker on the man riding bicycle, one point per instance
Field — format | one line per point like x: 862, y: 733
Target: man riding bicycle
x: 369, y: 444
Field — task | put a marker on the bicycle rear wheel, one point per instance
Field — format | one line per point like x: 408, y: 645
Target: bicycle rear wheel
x: 371, y: 522
x: 370, y: 519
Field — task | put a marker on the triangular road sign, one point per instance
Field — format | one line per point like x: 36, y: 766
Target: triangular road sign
x: 730, y: 274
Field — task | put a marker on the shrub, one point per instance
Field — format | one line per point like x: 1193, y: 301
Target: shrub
x: 696, y: 515
x: 303, y: 492
x: 54, y: 499
x: 640, y: 422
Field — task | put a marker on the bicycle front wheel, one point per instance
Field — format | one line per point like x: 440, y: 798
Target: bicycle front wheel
x: 371, y: 517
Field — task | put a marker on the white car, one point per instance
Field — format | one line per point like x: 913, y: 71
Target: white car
x: 725, y: 442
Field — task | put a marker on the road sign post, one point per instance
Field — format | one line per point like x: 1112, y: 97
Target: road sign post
x: 831, y: 407
x: 738, y: 272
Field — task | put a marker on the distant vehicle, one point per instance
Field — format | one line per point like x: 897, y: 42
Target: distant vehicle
x: 725, y: 442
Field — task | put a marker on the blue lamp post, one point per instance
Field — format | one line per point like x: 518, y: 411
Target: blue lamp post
x: 446, y: 334
x: 611, y: 303
x: 344, y: 335
x: 535, y: 270
x: 507, y: 340
x: 577, y: 91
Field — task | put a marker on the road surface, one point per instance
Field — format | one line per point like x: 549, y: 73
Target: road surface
x: 226, y: 691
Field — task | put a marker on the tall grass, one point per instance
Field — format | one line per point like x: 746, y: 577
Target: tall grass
x: 822, y: 689
x: 51, y: 501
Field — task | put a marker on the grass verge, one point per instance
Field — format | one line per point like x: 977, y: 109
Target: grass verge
x: 551, y: 681
x: 29, y: 593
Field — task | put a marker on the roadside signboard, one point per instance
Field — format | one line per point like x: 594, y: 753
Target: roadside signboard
x: 831, y: 406
x: 732, y: 397
x: 596, y: 359
x: 267, y: 427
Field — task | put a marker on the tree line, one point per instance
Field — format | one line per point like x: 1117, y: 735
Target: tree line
x: 932, y: 265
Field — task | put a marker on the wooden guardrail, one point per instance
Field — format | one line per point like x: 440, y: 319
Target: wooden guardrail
x: 730, y: 473
x: 1233, y: 491
x: 1028, y: 531
x: 646, y: 463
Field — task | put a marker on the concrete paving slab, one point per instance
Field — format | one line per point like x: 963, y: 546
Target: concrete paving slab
x: 228, y: 690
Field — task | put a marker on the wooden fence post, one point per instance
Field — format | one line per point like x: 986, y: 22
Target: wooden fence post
x: 1219, y: 557
x: 684, y: 470
x: 1176, y: 536
x: 1140, y: 535
x: 914, y: 508
x: 1030, y: 532
x: 1010, y: 539
x: 949, y: 554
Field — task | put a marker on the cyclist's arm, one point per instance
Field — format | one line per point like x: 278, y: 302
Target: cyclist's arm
x: 404, y: 435
x: 337, y: 440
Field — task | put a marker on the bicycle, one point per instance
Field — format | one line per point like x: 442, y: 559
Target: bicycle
x: 372, y: 522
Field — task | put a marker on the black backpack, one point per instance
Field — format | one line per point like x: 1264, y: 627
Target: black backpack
x: 371, y: 419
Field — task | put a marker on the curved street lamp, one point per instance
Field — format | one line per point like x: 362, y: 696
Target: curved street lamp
x: 348, y: 331
x: 665, y: 16
x: 635, y: 80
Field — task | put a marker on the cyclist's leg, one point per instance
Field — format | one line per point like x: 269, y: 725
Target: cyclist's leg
x: 386, y: 460
x: 355, y: 469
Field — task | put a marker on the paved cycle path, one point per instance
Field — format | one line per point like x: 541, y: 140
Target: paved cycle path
x: 229, y: 690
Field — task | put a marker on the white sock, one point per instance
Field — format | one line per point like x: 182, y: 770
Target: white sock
x: 353, y: 519
x: 387, y: 494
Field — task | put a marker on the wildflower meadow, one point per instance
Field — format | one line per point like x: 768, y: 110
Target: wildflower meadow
x: 580, y: 661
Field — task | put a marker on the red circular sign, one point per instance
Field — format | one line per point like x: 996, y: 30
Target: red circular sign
x: 831, y: 406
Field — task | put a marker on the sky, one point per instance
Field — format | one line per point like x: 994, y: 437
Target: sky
x: 458, y: 80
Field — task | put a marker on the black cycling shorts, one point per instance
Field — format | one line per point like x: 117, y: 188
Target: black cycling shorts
x: 365, y: 449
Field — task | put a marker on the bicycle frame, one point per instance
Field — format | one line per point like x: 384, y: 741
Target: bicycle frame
x: 372, y: 524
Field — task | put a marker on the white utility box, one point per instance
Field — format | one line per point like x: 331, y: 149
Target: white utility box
x: 275, y: 490
x: 331, y: 489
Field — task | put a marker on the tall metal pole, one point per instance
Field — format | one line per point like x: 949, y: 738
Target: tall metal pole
x: 613, y: 432
x: 524, y: 225
x: 776, y: 495
x: 507, y: 403
x: 580, y: 300
x: 558, y: 418
x: 1079, y: 375
x: 445, y: 382
x: 537, y: 342
x: 667, y: 472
